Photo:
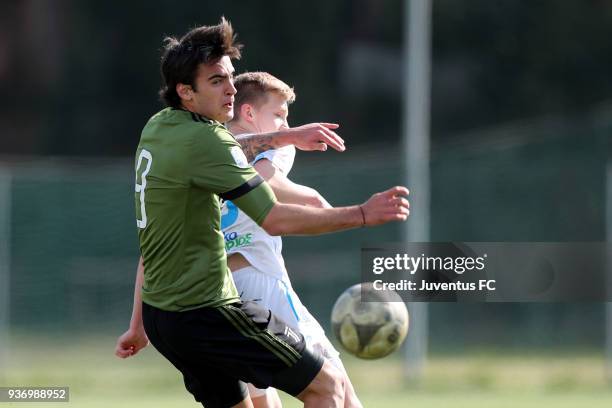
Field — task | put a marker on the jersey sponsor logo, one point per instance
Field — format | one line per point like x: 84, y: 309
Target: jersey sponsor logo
x: 233, y: 240
x: 229, y: 215
x: 239, y: 157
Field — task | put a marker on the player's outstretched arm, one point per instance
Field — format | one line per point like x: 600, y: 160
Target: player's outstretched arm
x: 313, y: 136
x: 135, y: 338
x: 285, y: 190
x: 291, y: 219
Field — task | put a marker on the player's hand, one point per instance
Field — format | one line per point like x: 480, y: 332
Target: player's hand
x: 387, y: 206
x: 131, y: 342
x: 316, y: 136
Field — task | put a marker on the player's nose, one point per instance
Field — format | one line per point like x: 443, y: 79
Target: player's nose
x: 231, y: 89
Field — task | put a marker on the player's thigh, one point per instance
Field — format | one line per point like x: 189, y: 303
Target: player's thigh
x: 215, y: 390
x: 240, y: 341
x: 210, y: 385
x: 267, y: 291
x: 273, y: 354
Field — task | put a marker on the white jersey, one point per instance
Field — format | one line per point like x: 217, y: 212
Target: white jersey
x: 266, y: 280
x: 243, y: 236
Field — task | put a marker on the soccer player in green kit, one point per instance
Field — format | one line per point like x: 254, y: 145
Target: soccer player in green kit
x: 190, y: 311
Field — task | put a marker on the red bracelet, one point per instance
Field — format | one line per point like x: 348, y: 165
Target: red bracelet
x: 362, y: 217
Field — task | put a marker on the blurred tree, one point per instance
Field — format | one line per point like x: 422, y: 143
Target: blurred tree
x: 81, y: 78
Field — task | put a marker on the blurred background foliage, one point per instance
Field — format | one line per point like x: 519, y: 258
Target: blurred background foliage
x: 81, y: 77
x: 521, y: 121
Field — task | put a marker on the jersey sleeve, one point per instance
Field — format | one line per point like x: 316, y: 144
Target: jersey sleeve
x: 282, y: 158
x: 220, y: 166
x: 258, y: 202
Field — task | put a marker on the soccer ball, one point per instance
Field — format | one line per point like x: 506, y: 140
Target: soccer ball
x: 368, y: 323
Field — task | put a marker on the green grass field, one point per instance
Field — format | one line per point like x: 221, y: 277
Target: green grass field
x: 97, y: 379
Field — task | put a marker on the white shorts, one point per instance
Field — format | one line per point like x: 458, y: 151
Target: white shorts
x: 279, y: 297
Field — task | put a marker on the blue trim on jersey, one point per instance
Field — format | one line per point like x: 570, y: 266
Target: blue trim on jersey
x: 230, y: 217
x: 291, y: 302
x: 260, y: 156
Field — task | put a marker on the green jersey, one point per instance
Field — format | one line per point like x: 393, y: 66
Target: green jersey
x: 184, y: 164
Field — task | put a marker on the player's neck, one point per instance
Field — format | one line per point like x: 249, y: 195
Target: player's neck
x: 238, y: 128
x: 189, y: 107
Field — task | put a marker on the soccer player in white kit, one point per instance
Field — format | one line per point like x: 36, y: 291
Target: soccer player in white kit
x: 262, y: 105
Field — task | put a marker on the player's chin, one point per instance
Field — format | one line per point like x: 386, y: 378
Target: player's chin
x: 224, y: 118
x: 227, y: 114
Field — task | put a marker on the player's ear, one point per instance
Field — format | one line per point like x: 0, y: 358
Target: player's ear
x: 247, y: 112
x: 184, y: 91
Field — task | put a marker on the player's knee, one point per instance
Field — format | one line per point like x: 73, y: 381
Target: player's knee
x: 337, y: 385
x: 267, y: 400
x: 350, y: 397
x: 329, y: 384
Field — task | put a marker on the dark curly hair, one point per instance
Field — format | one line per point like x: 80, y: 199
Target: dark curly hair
x: 181, y: 58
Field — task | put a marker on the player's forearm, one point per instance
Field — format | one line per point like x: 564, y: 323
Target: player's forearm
x: 285, y: 190
x: 136, y: 320
x: 253, y: 144
x: 299, y: 194
x: 288, y: 192
x: 313, y: 136
x: 290, y: 219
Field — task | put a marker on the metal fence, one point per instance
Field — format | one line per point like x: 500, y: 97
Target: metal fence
x: 69, y: 244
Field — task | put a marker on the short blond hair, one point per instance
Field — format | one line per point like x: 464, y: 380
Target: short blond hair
x: 254, y: 87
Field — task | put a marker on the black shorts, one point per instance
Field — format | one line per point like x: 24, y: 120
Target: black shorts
x: 219, y: 349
